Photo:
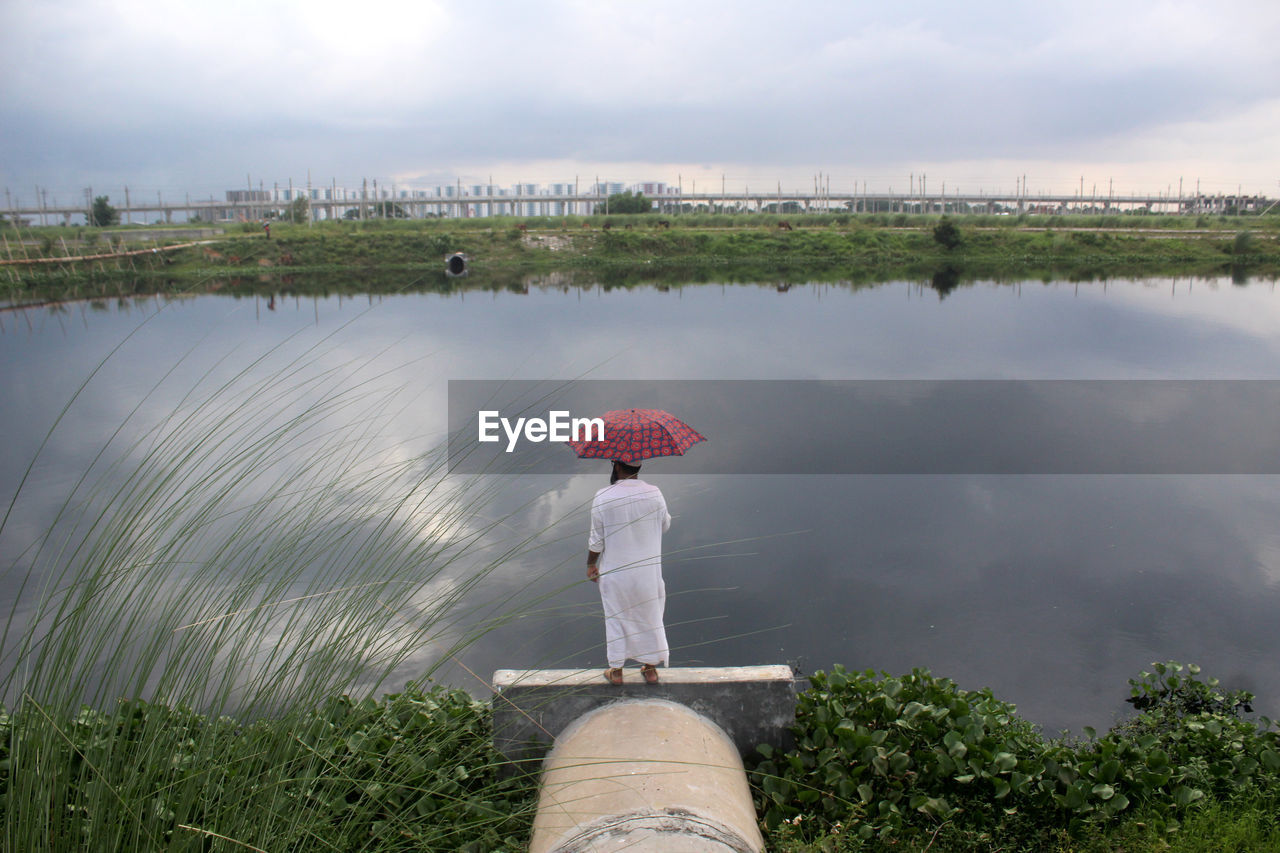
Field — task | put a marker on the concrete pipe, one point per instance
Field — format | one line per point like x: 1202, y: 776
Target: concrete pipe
x: 644, y: 775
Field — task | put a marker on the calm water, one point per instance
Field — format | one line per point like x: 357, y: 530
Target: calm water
x: 1052, y: 590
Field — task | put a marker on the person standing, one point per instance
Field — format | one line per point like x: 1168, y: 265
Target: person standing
x: 624, y: 556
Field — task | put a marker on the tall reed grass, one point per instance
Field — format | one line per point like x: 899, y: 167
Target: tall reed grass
x: 176, y: 659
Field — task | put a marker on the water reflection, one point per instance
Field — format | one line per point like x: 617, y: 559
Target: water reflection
x: 1053, y: 590
x: 945, y: 280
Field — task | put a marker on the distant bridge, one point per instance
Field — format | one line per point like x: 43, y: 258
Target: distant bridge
x: 471, y: 206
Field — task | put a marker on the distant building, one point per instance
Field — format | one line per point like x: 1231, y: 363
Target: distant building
x: 476, y: 200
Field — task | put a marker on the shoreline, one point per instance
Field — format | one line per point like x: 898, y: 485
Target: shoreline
x: 634, y: 249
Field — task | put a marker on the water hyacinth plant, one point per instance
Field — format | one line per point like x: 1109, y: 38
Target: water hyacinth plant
x: 885, y: 760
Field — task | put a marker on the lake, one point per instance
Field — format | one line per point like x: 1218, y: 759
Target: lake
x: 1051, y: 588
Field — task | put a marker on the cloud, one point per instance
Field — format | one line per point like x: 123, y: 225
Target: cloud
x: 188, y: 93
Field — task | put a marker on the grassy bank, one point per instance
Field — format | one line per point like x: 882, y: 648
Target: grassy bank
x: 881, y: 763
x: 641, y: 248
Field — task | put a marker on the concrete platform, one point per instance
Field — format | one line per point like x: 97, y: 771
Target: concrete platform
x: 752, y: 704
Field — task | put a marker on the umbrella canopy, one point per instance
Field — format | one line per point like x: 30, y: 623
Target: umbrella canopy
x: 633, y: 435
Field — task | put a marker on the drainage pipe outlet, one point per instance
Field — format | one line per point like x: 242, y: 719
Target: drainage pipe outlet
x: 644, y: 775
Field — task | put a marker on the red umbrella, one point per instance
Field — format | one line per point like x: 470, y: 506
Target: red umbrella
x: 633, y: 435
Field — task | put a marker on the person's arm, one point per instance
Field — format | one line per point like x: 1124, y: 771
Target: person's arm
x: 595, y: 542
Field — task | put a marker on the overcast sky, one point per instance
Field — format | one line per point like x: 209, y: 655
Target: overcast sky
x: 183, y: 96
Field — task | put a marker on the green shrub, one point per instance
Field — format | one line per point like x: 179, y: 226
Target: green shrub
x: 946, y: 234
x: 888, y: 756
x: 413, y: 771
x: 895, y: 759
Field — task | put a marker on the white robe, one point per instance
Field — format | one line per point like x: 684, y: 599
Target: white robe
x: 627, y: 523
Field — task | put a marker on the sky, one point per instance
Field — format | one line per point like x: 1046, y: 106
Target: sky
x: 195, y: 97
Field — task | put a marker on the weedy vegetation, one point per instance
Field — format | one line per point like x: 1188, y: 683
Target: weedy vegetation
x: 916, y: 762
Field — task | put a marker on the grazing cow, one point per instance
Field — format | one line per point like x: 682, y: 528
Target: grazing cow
x: 664, y: 223
x: 520, y: 226
x: 784, y: 225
